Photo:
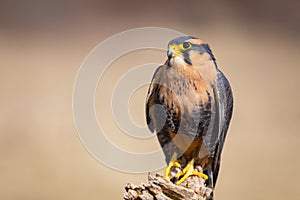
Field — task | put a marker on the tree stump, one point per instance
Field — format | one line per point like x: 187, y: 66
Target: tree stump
x: 158, y: 188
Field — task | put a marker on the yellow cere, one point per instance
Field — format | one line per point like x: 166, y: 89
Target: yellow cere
x: 177, y: 49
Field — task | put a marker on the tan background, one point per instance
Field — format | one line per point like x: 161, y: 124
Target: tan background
x: 42, y: 45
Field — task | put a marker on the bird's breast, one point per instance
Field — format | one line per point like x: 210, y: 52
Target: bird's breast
x: 190, y: 90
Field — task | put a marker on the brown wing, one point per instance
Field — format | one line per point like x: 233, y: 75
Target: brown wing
x: 162, y: 113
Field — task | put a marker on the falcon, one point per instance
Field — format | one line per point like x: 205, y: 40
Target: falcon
x: 189, y: 106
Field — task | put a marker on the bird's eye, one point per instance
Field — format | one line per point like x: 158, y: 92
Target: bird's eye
x: 186, y: 45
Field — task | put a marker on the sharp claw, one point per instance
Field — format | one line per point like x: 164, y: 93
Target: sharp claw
x: 168, y: 169
x: 189, y: 171
x: 183, y: 178
x: 201, y: 175
x: 179, y: 174
x: 176, y: 164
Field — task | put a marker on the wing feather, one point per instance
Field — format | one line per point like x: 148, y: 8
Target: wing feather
x: 225, y: 101
x: 161, y: 115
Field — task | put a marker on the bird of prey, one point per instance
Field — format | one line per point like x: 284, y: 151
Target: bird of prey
x: 189, y: 106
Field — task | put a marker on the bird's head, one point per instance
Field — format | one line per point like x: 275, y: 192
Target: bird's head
x: 189, y: 50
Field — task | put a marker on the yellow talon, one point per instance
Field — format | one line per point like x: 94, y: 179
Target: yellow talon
x: 174, y: 163
x: 189, y: 171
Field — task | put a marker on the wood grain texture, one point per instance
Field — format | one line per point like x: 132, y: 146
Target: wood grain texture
x: 157, y: 187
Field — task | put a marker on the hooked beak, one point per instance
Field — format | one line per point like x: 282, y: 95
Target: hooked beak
x: 170, y: 54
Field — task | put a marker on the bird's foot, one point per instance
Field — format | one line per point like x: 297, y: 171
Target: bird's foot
x: 172, y: 164
x: 189, y: 171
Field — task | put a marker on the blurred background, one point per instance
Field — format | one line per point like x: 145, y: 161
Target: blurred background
x: 43, y: 43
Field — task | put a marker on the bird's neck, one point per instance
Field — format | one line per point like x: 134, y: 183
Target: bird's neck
x: 205, y: 65
x: 205, y: 69
x: 208, y: 71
